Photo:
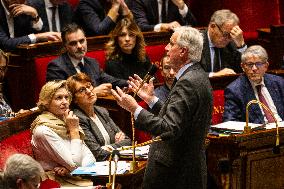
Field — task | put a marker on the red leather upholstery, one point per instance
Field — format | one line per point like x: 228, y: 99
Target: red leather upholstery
x: 17, y: 143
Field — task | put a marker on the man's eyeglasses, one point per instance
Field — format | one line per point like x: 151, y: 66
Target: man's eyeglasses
x: 256, y: 64
x: 224, y: 33
x: 83, y: 90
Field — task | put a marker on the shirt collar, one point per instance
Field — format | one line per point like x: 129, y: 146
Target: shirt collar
x: 254, y: 84
x: 48, y: 4
x: 75, y: 62
x: 211, y: 45
x: 182, y: 70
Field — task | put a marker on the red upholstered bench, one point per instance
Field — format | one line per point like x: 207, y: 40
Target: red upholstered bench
x: 16, y: 143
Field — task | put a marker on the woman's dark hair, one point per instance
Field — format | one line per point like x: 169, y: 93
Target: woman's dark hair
x: 113, y: 50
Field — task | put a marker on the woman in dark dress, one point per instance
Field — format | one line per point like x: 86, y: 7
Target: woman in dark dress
x: 125, y: 51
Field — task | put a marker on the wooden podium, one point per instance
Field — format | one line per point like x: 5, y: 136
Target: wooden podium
x: 246, y: 161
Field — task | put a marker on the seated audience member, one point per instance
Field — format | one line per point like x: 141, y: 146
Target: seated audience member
x: 101, y: 133
x: 21, y: 172
x: 168, y: 74
x: 74, y: 61
x: 158, y: 15
x: 55, y: 14
x: 255, y: 84
x: 57, y: 138
x: 126, y: 54
x: 99, y: 17
x: 5, y: 109
x: 18, y: 23
x: 223, y: 44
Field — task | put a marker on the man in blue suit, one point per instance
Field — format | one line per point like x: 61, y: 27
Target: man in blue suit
x: 244, y: 89
x: 21, y: 24
x: 74, y: 61
x: 151, y: 16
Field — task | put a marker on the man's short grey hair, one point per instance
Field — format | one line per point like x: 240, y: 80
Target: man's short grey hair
x: 191, y: 39
x: 20, y: 166
x: 225, y: 15
x: 255, y: 51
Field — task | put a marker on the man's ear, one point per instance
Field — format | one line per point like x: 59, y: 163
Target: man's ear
x: 19, y: 183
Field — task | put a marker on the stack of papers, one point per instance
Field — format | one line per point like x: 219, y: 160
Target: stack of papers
x: 236, y: 127
x: 141, y: 152
x: 102, y: 168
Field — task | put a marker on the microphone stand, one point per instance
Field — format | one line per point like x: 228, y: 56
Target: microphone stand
x: 247, y: 128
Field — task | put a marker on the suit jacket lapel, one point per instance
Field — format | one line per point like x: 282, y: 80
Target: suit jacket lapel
x: 71, y: 70
x: 154, y: 5
x: 254, y: 109
x: 206, y: 62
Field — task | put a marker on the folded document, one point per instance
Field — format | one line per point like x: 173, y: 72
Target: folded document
x: 102, y: 168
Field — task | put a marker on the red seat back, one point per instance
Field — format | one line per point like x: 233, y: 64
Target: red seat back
x: 218, y: 106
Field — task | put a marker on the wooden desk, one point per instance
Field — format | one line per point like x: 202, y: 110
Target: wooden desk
x: 249, y: 160
x: 127, y: 180
x: 16, y: 124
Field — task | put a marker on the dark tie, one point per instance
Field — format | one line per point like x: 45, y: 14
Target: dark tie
x: 175, y: 80
x: 164, y: 12
x: 53, y: 20
x: 216, y: 66
x: 82, y: 67
x: 263, y: 101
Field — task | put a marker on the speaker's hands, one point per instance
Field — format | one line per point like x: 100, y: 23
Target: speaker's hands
x: 146, y: 92
x: 124, y: 100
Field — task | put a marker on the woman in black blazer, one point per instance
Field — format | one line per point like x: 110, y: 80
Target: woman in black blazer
x: 102, y: 135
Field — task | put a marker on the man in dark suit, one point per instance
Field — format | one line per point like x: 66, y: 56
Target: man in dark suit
x: 244, y: 89
x: 182, y: 121
x: 59, y: 10
x: 99, y: 17
x: 151, y: 16
x: 18, y: 23
x: 74, y: 60
x: 223, y: 44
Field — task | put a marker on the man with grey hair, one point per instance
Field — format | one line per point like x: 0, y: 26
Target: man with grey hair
x: 21, y: 171
x: 182, y: 121
x: 223, y: 44
x: 255, y: 84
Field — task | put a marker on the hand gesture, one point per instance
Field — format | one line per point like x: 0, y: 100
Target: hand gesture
x: 18, y: 9
x: 179, y: 3
x: 237, y: 36
x: 72, y: 124
x: 103, y: 89
x: 124, y: 100
x: 146, y: 92
x: 170, y: 26
x: 119, y: 136
x: 61, y: 171
x: 48, y: 36
x: 225, y: 71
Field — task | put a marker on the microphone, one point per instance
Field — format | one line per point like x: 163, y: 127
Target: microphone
x: 115, y: 155
x: 150, y: 73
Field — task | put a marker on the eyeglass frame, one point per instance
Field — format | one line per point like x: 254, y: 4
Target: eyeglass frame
x: 83, y: 90
x: 258, y: 65
x: 225, y: 34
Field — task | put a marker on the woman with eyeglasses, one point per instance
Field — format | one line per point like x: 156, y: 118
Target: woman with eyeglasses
x: 101, y: 133
x: 57, y: 138
x: 125, y: 51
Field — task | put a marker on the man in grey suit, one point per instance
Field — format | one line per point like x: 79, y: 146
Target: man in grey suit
x: 223, y: 44
x: 182, y: 121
